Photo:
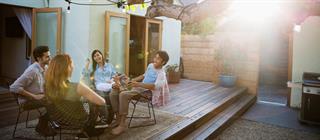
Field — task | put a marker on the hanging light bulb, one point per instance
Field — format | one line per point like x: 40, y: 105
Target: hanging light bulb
x: 124, y: 9
x: 297, y: 28
x: 68, y: 9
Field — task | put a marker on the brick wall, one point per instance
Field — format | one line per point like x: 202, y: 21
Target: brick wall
x: 199, y: 63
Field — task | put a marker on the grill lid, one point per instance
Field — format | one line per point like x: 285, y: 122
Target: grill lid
x: 311, y: 78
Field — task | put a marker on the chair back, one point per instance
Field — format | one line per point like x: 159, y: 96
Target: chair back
x: 146, y: 96
x: 15, y: 95
x: 67, y: 113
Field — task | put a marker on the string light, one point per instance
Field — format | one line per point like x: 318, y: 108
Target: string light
x: 68, y: 9
x: 120, y: 4
x: 297, y: 28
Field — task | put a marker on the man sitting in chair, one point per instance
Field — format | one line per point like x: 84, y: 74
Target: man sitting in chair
x: 31, y: 83
x: 153, y: 79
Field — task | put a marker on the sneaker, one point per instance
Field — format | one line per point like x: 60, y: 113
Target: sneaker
x: 101, y: 124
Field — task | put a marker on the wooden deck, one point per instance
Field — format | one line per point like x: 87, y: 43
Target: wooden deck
x: 200, y: 103
x: 206, y: 109
x: 190, y: 97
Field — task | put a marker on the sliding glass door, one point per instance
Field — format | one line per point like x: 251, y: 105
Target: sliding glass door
x: 153, y: 39
x: 116, y: 44
x: 46, y: 29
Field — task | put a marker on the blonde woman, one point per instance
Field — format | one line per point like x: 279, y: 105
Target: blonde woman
x: 59, y: 91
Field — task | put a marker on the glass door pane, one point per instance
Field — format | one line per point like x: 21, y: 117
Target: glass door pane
x: 117, y: 36
x: 117, y: 43
x: 153, y: 40
x: 46, y: 30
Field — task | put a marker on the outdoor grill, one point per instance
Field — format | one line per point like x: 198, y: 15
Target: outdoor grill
x: 310, y: 101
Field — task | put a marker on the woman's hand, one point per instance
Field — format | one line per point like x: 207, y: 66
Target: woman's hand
x: 87, y: 63
x: 116, y: 85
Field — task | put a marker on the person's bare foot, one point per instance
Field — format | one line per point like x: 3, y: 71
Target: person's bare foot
x: 118, y: 130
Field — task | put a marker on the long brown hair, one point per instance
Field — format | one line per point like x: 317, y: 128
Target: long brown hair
x: 94, y: 63
x: 57, y: 75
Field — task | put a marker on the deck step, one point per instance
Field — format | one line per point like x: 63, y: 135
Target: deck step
x: 218, y: 123
x: 186, y: 126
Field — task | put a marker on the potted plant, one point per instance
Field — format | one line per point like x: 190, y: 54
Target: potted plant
x: 173, y: 73
x: 227, y: 58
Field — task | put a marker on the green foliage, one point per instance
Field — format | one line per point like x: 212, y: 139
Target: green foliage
x: 172, y: 68
x: 202, y: 28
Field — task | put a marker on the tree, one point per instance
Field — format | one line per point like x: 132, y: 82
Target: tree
x: 199, y: 11
x: 187, y: 14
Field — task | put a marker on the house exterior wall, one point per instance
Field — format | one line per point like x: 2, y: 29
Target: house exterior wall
x: 171, y: 39
x: 75, y: 34
x: 84, y: 31
x: 306, y: 56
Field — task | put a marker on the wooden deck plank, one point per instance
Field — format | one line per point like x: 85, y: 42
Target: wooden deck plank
x: 182, y: 83
x: 182, y: 89
x: 210, y: 104
x: 196, y: 102
x: 185, y: 125
x: 187, y: 90
x: 216, y: 123
x: 209, y: 100
x: 186, y: 97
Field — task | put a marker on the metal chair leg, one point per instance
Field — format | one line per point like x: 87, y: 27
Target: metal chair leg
x: 27, y: 119
x: 134, y: 108
x: 15, y: 127
x: 60, y: 133
x: 154, y: 115
x: 39, y: 112
x: 149, y: 109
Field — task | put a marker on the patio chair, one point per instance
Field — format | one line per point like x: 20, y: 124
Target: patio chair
x: 103, y: 94
x: 145, y: 97
x: 64, y: 120
x: 23, y: 107
x: 109, y: 111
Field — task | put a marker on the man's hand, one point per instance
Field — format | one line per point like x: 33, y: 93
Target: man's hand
x: 38, y: 97
x: 116, y: 86
x: 116, y: 78
x: 134, y: 84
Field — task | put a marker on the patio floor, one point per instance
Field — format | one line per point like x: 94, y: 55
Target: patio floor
x: 196, y: 102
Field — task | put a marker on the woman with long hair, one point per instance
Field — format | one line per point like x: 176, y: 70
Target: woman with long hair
x: 60, y: 90
x: 99, y: 78
x: 101, y: 72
